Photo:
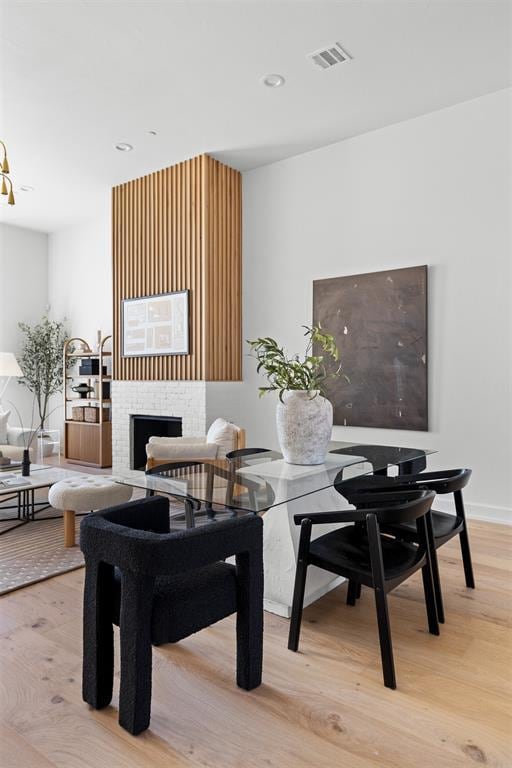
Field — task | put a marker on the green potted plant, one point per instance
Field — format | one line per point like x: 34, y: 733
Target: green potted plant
x: 304, y: 415
x: 41, y: 361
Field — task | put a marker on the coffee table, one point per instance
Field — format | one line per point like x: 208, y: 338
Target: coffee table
x: 15, y: 485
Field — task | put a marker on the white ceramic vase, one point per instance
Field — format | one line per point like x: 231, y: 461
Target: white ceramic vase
x: 304, y: 426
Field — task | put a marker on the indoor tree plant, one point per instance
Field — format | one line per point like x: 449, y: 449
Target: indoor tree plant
x: 304, y: 415
x: 41, y: 361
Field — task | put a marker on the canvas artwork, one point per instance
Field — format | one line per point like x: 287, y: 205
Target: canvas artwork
x: 156, y: 325
x: 379, y: 320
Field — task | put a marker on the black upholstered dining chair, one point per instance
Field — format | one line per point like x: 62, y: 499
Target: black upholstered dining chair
x: 160, y: 587
x: 445, y: 525
x: 361, y: 554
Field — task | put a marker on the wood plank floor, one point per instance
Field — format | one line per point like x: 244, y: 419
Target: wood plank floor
x: 324, y: 707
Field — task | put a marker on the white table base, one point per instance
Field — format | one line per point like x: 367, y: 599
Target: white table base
x: 280, y: 545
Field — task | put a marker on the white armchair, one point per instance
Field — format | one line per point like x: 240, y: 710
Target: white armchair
x: 222, y: 437
x: 13, y: 443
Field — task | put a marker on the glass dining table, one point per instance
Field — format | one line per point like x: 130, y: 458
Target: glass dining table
x: 263, y: 483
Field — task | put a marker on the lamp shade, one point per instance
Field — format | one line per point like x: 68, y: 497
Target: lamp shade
x: 9, y: 365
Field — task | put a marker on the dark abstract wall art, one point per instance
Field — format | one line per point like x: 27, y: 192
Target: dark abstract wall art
x: 379, y: 321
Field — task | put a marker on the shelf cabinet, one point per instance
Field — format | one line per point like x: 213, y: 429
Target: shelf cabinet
x: 87, y: 442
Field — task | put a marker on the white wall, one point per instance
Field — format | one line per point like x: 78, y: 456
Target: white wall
x: 435, y: 190
x: 80, y: 275
x: 23, y: 297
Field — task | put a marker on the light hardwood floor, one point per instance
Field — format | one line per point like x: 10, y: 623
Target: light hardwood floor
x: 324, y: 707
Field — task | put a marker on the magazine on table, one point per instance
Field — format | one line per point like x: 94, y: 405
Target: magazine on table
x: 12, y: 481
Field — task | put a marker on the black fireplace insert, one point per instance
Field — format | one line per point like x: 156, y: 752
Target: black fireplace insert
x: 144, y: 427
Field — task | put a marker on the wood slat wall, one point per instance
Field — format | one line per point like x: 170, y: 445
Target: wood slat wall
x: 180, y: 228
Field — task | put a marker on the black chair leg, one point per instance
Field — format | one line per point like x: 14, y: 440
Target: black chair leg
x: 136, y: 652
x: 98, y: 636
x: 358, y: 591
x: 190, y: 519
x: 300, y: 585
x: 249, y: 619
x: 464, y: 541
x: 466, y: 558
x: 381, y: 602
x: 352, y: 593
x: 434, y: 563
x: 386, y: 645
x: 430, y: 600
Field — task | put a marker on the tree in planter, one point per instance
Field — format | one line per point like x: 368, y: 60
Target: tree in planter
x: 41, y: 362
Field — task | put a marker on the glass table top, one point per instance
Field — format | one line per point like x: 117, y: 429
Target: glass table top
x: 263, y: 480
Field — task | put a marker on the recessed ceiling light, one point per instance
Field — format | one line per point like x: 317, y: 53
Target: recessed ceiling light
x: 123, y: 147
x: 26, y: 188
x: 273, y: 81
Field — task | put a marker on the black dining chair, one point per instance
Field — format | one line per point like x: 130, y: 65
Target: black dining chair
x: 445, y: 525
x: 160, y: 587
x: 171, y: 470
x: 240, y: 453
x: 236, y: 459
x: 361, y: 554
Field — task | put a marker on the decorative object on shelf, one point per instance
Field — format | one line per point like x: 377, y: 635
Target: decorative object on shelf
x: 82, y: 389
x: 42, y: 363
x: 381, y: 319
x: 304, y: 415
x: 88, y: 433
x: 6, y: 178
x: 155, y: 325
x: 90, y: 366
x: 9, y: 367
x: 4, y: 460
x: 93, y: 414
x: 77, y: 413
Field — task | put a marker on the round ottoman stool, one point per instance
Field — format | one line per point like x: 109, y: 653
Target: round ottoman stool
x: 84, y: 494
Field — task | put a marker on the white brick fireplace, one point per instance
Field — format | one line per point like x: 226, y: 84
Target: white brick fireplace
x: 197, y: 403
x: 185, y: 399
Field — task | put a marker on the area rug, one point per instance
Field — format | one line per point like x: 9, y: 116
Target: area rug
x: 35, y: 551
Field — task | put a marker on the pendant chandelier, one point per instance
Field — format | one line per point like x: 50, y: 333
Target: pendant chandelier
x: 6, y: 181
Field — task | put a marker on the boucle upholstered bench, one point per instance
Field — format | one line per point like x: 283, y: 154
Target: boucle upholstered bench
x: 84, y: 494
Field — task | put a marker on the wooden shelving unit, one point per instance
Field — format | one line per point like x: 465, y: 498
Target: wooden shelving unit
x: 85, y: 442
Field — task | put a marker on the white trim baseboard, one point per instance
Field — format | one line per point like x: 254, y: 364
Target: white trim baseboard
x: 476, y: 511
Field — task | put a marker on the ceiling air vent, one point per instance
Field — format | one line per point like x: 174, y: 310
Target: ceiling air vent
x: 329, y: 57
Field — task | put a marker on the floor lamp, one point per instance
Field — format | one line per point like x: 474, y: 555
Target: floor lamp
x: 8, y: 368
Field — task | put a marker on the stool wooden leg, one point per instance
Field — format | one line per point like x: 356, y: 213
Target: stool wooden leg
x: 69, y: 528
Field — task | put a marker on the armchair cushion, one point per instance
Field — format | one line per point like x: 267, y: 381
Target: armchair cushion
x: 17, y: 436
x: 172, y: 450
x: 224, y: 434
x: 176, y: 440
x: 3, y: 426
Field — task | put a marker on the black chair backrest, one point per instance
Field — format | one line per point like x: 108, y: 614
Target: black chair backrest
x: 442, y: 481
x: 115, y: 536
x: 241, y: 452
x: 398, y: 507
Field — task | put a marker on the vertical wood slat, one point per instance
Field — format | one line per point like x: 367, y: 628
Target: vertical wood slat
x: 174, y: 229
